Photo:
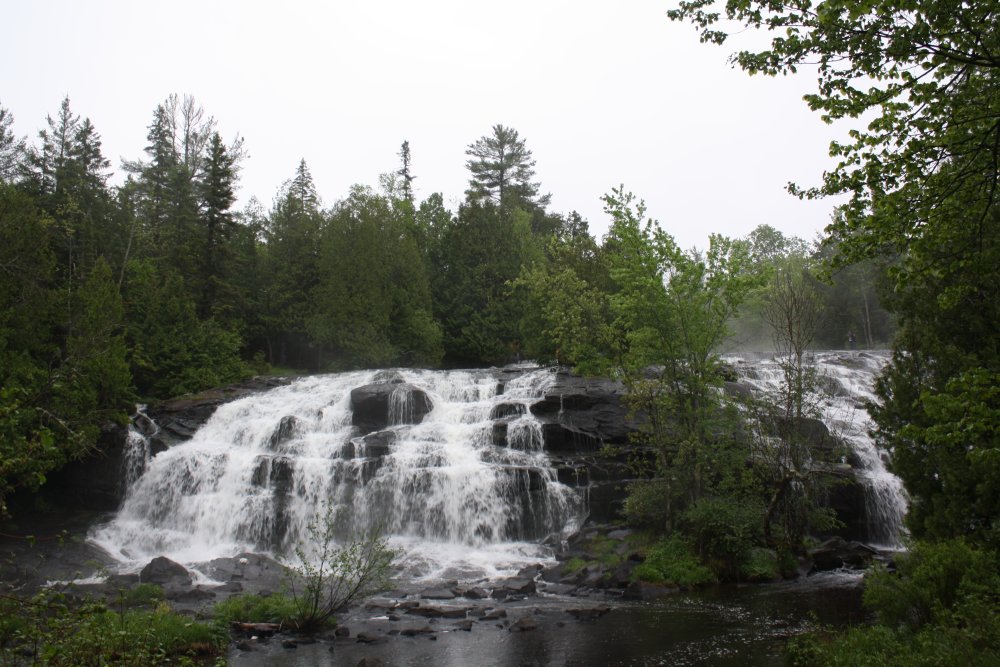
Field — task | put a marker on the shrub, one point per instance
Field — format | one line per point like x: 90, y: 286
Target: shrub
x: 672, y: 562
x: 275, y: 608
x: 940, y: 608
x: 760, y: 565
x: 333, y: 578
x: 724, y: 530
x: 60, y: 631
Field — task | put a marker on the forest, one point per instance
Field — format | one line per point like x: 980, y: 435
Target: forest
x: 158, y: 286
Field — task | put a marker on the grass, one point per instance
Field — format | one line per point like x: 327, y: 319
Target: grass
x: 275, y: 608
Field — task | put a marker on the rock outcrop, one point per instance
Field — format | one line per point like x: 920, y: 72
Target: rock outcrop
x: 380, y: 404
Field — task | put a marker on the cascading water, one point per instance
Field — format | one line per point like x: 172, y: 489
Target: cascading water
x: 454, y: 498
x: 846, y: 381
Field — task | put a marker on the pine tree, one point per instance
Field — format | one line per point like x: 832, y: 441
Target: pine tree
x: 502, y: 169
x: 218, y: 193
x: 292, y: 250
x: 12, y: 149
x: 405, y: 173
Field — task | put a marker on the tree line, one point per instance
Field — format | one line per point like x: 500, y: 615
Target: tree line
x: 159, y: 286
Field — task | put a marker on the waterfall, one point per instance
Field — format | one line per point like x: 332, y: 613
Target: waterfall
x: 845, y: 383
x: 137, y: 448
x: 446, y: 491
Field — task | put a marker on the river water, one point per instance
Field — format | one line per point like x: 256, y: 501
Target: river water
x: 729, y: 625
x: 461, y: 507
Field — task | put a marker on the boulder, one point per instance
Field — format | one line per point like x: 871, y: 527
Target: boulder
x: 837, y: 553
x: 372, y: 405
x: 283, y: 433
x: 587, y: 406
x: 438, y: 594
x: 374, y: 445
x: 165, y: 572
x: 435, y: 611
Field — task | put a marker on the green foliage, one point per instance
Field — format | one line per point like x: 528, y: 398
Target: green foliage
x: 143, y: 595
x: 57, y: 630
x: 761, y: 565
x: 479, y: 254
x: 939, y: 608
x: 172, y: 351
x: 648, y: 503
x: 373, y: 301
x: 274, y: 608
x: 672, y: 562
x: 62, y: 357
x: 724, y: 530
x: 328, y: 578
x: 502, y: 168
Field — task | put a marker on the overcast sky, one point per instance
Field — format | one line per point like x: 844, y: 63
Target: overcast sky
x: 604, y: 93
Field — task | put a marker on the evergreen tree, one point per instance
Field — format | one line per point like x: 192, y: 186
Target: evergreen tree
x: 372, y: 305
x: 12, y: 149
x: 502, y: 168
x: 405, y: 172
x: 479, y: 253
x: 217, y: 192
x: 292, y: 253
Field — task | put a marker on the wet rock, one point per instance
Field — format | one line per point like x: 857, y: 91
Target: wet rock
x: 181, y: 417
x: 289, y: 644
x: 558, y: 589
x: 283, y: 433
x: 588, y: 406
x: 367, y: 638
x: 413, y: 631
x: 342, y: 631
x: 370, y: 662
x: 370, y: 405
x: 434, y: 611
x: 493, y: 614
x: 374, y: 445
x: 190, y: 595
x: 837, y: 553
x: 513, y: 586
x: 476, y: 593
x: 562, y: 438
x: 165, y: 572
x: 465, y: 625
x: 438, y: 594
x: 507, y: 410
x: 523, y: 624
x: 529, y: 572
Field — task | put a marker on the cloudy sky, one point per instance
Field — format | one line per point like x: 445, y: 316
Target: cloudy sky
x: 605, y: 93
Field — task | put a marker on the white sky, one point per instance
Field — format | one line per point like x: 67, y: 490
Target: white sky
x: 603, y: 92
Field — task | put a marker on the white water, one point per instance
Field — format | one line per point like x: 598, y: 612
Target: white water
x: 846, y: 381
x: 263, y: 467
